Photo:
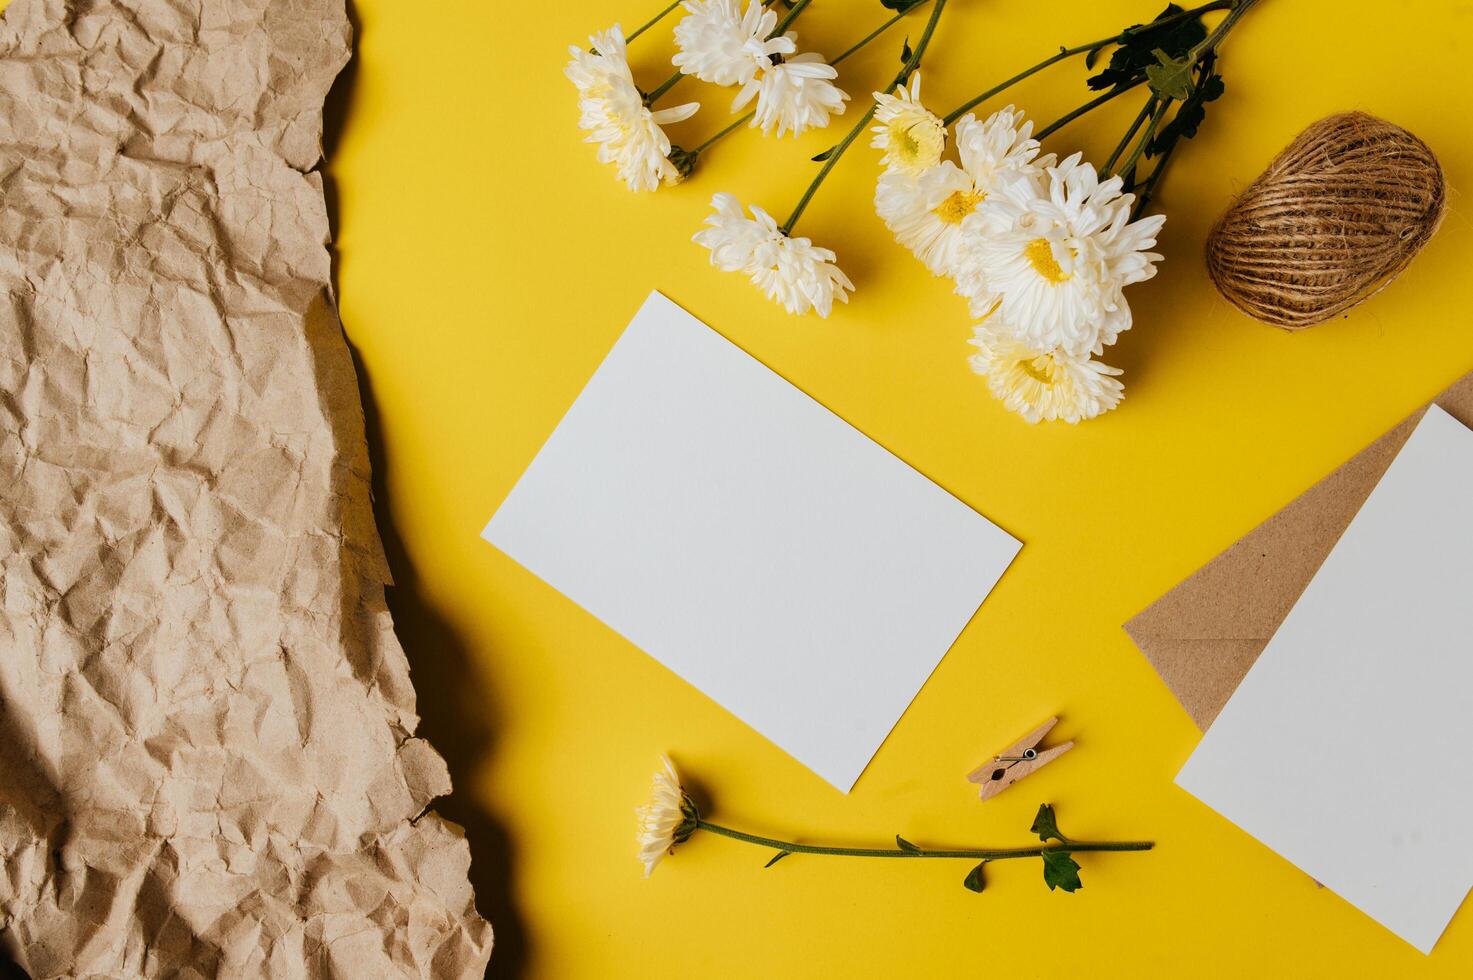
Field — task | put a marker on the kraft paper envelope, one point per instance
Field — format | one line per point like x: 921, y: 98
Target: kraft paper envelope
x: 1203, y: 635
x: 1370, y: 666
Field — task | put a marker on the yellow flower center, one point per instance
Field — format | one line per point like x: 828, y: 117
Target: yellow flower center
x: 956, y: 207
x: 907, y: 147
x: 1040, y: 255
x: 1043, y: 368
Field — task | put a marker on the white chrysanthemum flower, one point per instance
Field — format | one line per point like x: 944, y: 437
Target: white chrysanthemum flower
x: 667, y: 819
x: 1043, y: 385
x: 732, y: 237
x: 1055, y: 264
x: 718, y: 44
x: 910, y: 134
x: 925, y: 212
x: 627, y: 132
x: 1002, y: 143
x: 598, y: 72
x: 791, y: 271
x: 794, y: 95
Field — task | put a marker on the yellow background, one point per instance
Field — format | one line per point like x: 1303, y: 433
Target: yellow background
x: 487, y: 265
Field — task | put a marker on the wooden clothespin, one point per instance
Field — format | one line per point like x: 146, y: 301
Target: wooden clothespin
x: 1017, y: 761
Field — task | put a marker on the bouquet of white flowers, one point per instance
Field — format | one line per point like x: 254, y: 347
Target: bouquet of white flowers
x: 1041, y: 248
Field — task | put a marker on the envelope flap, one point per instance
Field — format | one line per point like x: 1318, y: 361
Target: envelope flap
x: 1203, y: 635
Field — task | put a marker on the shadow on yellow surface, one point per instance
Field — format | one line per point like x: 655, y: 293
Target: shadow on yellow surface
x: 457, y: 708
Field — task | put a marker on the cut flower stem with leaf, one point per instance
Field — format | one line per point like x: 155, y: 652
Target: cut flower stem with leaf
x: 671, y: 817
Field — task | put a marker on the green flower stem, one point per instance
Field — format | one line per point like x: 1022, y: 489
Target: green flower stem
x: 654, y: 94
x: 833, y: 158
x: 877, y: 32
x: 910, y: 66
x: 725, y: 132
x: 788, y: 18
x: 1145, y: 140
x: 975, y: 854
x: 652, y: 22
x: 1089, y: 106
x: 1140, y: 118
x: 1211, y: 41
x: 1064, y: 53
x: 1148, y: 187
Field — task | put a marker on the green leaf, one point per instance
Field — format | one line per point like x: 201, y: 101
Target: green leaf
x: 906, y: 845
x: 825, y: 154
x: 1046, y: 826
x: 973, y: 880
x: 776, y: 858
x: 1170, y: 77
x: 900, y: 6
x: 1189, y: 115
x: 1060, y: 870
x: 1137, y: 46
x: 1091, y: 56
x: 905, y: 52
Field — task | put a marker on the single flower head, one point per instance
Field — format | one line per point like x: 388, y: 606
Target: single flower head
x: 998, y: 147
x: 721, y: 45
x: 1043, y: 385
x: 791, y: 271
x: 910, y: 135
x: 613, y: 112
x: 794, y: 94
x: 668, y: 818
x: 1055, y: 263
x: 926, y: 211
x: 931, y: 213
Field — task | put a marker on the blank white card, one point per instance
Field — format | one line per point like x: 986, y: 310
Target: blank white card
x: 750, y: 540
x: 1345, y: 747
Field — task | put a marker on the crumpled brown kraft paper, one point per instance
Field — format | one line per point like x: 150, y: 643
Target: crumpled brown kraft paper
x: 209, y: 764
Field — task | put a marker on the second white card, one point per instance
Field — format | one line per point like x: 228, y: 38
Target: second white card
x: 1344, y: 748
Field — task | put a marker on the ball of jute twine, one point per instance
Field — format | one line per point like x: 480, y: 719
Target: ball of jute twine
x: 1332, y: 221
